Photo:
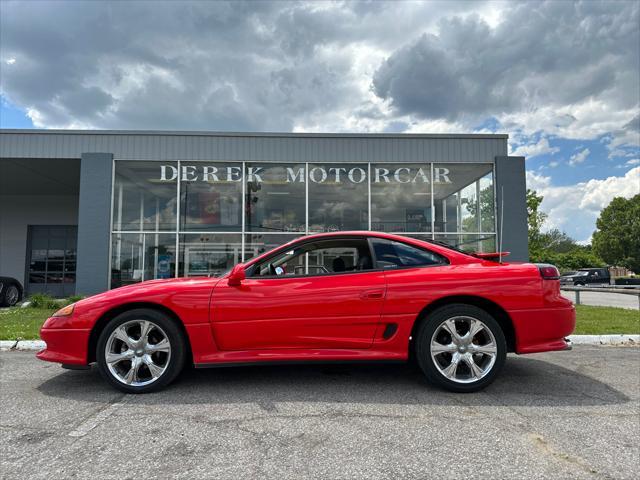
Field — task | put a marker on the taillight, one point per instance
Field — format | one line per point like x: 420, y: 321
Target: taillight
x: 548, y: 272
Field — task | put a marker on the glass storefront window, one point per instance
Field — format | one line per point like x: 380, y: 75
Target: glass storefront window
x: 401, y: 197
x: 136, y: 257
x: 338, y: 197
x: 51, y: 259
x: 144, y: 196
x: 463, y: 198
x: 208, y: 254
x: 210, y: 196
x: 275, y: 197
x: 232, y: 211
x: 126, y: 259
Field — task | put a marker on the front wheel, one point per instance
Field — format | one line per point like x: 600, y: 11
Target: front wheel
x: 461, y: 348
x: 140, y: 351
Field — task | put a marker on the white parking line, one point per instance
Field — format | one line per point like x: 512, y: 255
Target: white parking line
x: 95, y: 420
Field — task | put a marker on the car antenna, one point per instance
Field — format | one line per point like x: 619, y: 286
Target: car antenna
x: 501, y: 222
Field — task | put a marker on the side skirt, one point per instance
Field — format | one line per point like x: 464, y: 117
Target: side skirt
x: 297, y: 362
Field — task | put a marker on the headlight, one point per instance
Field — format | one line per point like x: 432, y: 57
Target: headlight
x: 65, y: 311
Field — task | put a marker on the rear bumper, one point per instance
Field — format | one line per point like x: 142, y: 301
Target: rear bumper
x: 67, y: 346
x: 544, y: 330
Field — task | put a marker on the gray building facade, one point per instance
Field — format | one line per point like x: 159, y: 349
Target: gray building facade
x: 85, y: 211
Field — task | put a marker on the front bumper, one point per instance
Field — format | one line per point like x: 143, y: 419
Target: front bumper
x: 67, y: 346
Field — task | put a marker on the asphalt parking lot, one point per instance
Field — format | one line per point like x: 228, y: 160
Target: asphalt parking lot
x: 557, y: 415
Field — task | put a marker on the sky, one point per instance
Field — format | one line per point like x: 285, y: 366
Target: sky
x: 561, y: 78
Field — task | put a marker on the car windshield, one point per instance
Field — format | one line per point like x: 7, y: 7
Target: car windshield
x: 568, y: 274
x: 581, y: 273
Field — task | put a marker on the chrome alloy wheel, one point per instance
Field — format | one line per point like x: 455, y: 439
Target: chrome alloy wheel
x: 463, y: 349
x: 137, y: 353
x: 11, y: 296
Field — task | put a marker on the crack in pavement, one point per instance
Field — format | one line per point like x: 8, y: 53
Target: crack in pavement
x: 544, y: 446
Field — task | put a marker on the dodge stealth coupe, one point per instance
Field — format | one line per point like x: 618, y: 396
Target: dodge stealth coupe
x: 333, y: 297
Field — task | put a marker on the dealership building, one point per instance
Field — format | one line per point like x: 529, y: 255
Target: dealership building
x: 85, y: 211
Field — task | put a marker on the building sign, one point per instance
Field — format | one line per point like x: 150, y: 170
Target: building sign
x: 228, y: 174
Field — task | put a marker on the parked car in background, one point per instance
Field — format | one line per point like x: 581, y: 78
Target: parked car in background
x: 344, y: 296
x: 586, y: 276
x: 10, y: 291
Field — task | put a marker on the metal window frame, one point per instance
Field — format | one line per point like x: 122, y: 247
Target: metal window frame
x: 243, y: 233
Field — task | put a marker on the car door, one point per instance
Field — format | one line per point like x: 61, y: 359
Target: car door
x: 311, y: 306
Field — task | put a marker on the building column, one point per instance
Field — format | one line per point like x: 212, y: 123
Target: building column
x: 511, y: 193
x: 94, y: 217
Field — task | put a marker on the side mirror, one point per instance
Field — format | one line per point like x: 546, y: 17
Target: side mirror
x: 237, y: 275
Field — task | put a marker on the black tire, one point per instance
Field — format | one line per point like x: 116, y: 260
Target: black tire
x: 174, y: 363
x: 426, y: 332
x: 10, y: 295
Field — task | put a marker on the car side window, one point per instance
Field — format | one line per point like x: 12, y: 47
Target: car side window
x: 318, y: 258
x: 391, y: 254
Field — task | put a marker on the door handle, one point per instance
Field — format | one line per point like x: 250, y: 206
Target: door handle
x: 372, y: 294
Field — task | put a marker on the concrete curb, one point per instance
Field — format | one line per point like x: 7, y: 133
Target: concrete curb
x: 622, y: 339
x: 28, y: 345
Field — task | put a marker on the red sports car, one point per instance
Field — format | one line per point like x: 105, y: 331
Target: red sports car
x: 334, y: 297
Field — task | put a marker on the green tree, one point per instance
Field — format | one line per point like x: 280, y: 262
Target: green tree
x: 535, y: 219
x: 617, y: 238
x: 487, y: 212
x: 557, y: 241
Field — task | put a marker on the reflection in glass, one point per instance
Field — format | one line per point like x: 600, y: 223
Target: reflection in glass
x: 256, y: 244
x: 159, y: 256
x: 126, y: 259
x: 137, y: 257
x: 52, y: 259
x: 275, y: 197
x: 211, y: 197
x: 470, y: 243
x: 144, y: 196
x: 338, y: 197
x: 208, y: 254
x: 464, y: 198
x: 401, y: 198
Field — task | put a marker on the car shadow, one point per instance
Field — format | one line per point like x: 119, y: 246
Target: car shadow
x: 523, y: 382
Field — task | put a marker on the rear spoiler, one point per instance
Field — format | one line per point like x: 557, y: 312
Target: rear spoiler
x: 491, y: 256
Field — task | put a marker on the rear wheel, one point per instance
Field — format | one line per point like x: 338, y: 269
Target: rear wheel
x: 140, y: 351
x: 461, y: 348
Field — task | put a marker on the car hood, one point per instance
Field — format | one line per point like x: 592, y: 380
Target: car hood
x: 152, y: 287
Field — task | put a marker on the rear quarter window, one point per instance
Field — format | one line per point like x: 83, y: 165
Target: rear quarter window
x: 392, y: 254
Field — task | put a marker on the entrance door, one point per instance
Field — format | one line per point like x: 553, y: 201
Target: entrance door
x: 319, y: 295
x: 51, y: 259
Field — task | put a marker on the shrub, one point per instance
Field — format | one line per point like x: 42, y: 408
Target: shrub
x: 568, y: 261
x: 42, y: 300
x: 73, y: 299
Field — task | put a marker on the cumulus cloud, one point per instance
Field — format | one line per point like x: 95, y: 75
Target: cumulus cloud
x: 579, y: 157
x: 575, y: 208
x: 330, y: 66
x: 569, y: 69
x: 534, y: 149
